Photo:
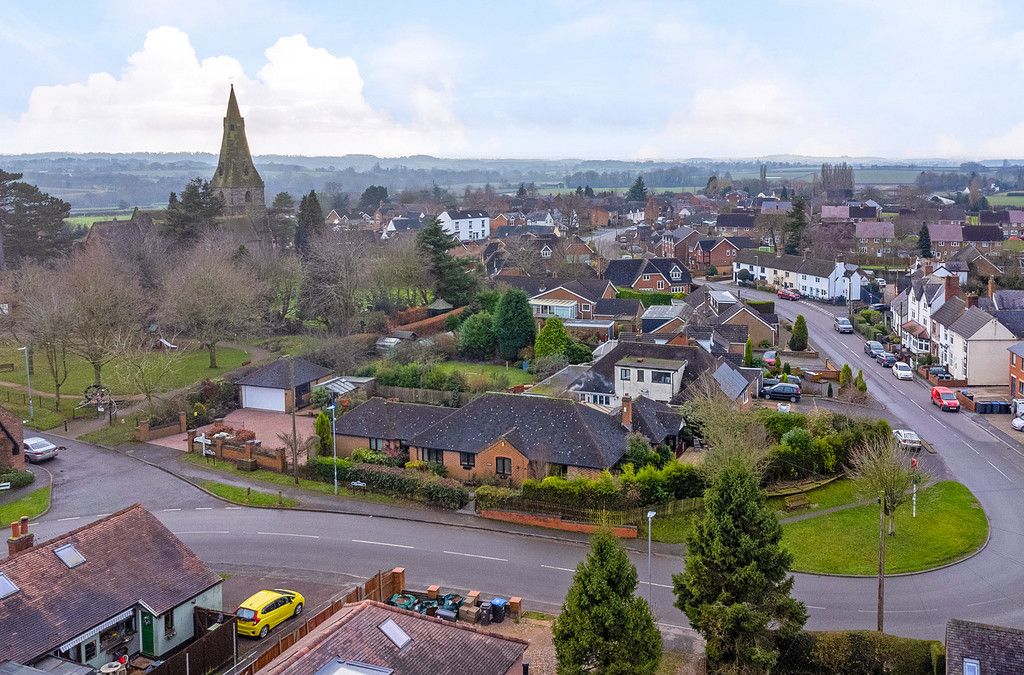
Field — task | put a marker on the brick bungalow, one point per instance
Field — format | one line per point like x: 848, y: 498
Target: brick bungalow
x: 664, y: 275
x: 12, y: 440
x: 386, y: 426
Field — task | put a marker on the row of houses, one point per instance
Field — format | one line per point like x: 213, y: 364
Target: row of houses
x: 814, y: 278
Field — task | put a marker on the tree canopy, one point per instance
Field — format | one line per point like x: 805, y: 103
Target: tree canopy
x: 32, y: 223
x: 796, y: 223
x: 798, y: 339
x: 514, y: 327
x: 194, y: 212
x: 924, y: 242
x: 372, y: 197
x: 476, y: 335
x: 453, y: 279
x: 309, y: 222
x: 637, y: 191
x: 551, y: 339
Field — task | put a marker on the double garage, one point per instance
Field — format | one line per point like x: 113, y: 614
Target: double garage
x: 270, y: 387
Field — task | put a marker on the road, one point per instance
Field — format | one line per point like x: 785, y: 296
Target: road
x: 988, y: 587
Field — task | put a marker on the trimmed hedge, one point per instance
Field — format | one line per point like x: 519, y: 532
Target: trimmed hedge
x: 17, y: 479
x: 862, y: 652
x: 409, y: 483
x: 649, y: 297
x: 814, y: 445
x: 649, y: 485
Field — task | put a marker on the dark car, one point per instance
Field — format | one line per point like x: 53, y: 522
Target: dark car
x: 769, y: 382
x: 873, y: 348
x: 886, y: 360
x: 939, y: 373
x: 783, y: 391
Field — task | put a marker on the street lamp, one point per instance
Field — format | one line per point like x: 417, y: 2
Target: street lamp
x: 334, y: 444
x: 650, y: 595
x: 28, y: 381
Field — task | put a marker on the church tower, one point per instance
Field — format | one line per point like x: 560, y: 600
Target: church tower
x: 236, y: 179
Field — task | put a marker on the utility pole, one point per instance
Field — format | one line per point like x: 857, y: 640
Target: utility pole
x: 881, y: 561
x: 28, y: 378
x: 295, y: 435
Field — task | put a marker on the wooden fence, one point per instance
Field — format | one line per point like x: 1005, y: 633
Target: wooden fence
x: 431, y: 396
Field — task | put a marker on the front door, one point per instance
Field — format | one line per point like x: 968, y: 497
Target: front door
x: 147, y: 634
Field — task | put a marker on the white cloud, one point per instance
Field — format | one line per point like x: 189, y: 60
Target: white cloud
x: 303, y: 100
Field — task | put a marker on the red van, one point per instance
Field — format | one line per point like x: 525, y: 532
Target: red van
x: 945, y: 399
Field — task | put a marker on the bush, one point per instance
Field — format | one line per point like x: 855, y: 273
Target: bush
x: 711, y: 271
x: 577, y: 352
x: 322, y: 469
x: 684, y: 481
x: 393, y: 480
x: 650, y: 298
x: 447, y: 493
x: 17, y: 479
x: 861, y: 652
x: 546, y: 366
x: 777, y: 424
x: 490, y: 495
x: 798, y: 339
x: 367, y: 456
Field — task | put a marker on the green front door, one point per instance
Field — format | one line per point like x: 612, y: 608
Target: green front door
x: 147, y: 634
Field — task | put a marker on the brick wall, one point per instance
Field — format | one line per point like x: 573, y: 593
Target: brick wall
x: 485, y: 462
x: 556, y: 523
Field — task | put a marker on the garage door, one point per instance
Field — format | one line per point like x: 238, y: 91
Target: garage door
x: 262, y: 398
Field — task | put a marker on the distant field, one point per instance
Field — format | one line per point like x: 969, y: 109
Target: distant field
x: 1005, y: 200
x: 88, y: 220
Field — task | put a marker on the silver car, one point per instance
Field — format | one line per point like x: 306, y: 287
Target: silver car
x: 907, y: 439
x: 38, y: 449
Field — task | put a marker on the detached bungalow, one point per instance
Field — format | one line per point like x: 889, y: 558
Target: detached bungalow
x: 385, y: 426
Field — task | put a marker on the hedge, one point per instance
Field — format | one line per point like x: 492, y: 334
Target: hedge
x: 762, y: 306
x: 409, y: 483
x: 814, y: 445
x: 17, y: 479
x: 862, y: 652
x: 649, y: 485
x: 649, y: 297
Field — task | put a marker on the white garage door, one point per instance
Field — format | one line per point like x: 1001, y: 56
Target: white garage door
x: 262, y: 398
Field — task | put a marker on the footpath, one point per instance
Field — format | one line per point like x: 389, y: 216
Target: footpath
x: 169, y: 460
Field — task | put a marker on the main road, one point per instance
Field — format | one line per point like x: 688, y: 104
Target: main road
x: 987, y: 587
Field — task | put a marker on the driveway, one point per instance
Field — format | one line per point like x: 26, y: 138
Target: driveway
x: 266, y: 424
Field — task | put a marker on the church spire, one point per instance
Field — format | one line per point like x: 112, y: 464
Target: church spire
x: 236, y: 179
x: 233, y: 105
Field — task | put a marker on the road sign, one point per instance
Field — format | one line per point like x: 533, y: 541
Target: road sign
x: 5, y: 486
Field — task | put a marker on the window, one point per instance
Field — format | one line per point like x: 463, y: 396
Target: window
x: 676, y: 274
x: 69, y: 555
x: 647, y: 277
x: 377, y: 444
x: 639, y: 375
x: 90, y: 650
x: 624, y: 374
x: 661, y: 377
x: 432, y: 455
x: 584, y: 308
x: 971, y: 667
x: 467, y: 460
x: 7, y: 586
x: 503, y: 466
x: 248, y: 196
x: 169, y: 624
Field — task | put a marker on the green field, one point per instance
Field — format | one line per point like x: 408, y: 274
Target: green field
x: 30, y: 505
x: 474, y: 371
x: 950, y: 524
x: 88, y: 220
x: 1005, y: 200
x: 192, y: 368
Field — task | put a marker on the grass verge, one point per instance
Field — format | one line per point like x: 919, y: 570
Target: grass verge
x: 30, y: 505
x: 836, y: 493
x: 247, y: 496
x: 265, y: 477
x: 950, y: 524
x: 121, y: 432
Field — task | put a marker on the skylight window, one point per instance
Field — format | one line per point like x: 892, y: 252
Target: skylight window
x: 69, y: 555
x: 7, y: 586
x: 395, y: 633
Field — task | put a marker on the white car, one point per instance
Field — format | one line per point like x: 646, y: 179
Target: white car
x: 1017, y: 423
x: 37, y: 449
x: 902, y: 371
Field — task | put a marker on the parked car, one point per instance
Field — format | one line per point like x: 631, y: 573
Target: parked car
x: 873, y: 348
x: 842, y: 325
x: 902, y: 371
x: 783, y: 391
x: 793, y: 379
x: 264, y: 610
x: 885, y: 359
x: 770, y: 358
x: 882, y: 283
x: 789, y: 294
x: 879, y: 307
x: 38, y: 449
x: 907, y: 439
x: 945, y: 399
x: 769, y: 382
x: 1017, y: 423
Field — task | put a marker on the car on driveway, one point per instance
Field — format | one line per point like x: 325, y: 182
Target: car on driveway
x: 1017, y: 423
x: 879, y: 307
x: 264, y: 610
x: 789, y: 294
x: 842, y: 325
x: 873, y: 348
x: 885, y: 359
x: 39, y: 449
x: 902, y: 371
x: 783, y: 391
x: 945, y: 399
x: 907, y: 439
x: 770, y: 358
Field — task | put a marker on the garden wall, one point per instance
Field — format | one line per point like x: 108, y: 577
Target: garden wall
x: 144, y: 432
x: 434, y: 324
x: 556, y: 523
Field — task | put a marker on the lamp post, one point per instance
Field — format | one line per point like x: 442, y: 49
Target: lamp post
x: 650, y: 594
x: 28, y: 381
x: 334, y: 444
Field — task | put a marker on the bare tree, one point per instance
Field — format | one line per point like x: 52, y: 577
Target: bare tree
x: 281, y: 273
x: 210, y: 298
x: 335, y: 273
x: 884, y: 469
x: 144, y: 369
x: 524, y: 255
x: 107, y: 303
x: 729, y: 437
x: 42, y: 315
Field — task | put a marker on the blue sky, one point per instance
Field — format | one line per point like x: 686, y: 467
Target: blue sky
x: 563, y: 78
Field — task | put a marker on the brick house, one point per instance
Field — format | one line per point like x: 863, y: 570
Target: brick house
x: 980, y: 649
x: 874, y: 237
x: 565, y: 298
x: 946, y: 238
x: 624, y: 312
x: 1016, y: 374
x: 664, y: 275
x: 385, y: 426
x: 270, y: 387
x: 676, y: 243
x: 12, y: 441
x: 719, y: 253
x: 983, y: 237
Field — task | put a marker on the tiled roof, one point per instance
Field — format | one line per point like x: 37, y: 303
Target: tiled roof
x: 949, y: 312
x: 943, y: 232
x: 735, y: 219
x: 997, y: 649
x: 1013, y: 319
x: 993, y: 217
x: 874, y: 229
x: 617, y: 307
x: 435, y: 646
x: 655, y: 420
x: 742, y: 242
x: 982, y: 233
x: 970, y: 322
x: 463, y: 215
x: 543, y: 429
x: 276, y: 375
x: 130, y: 557
x: 590, y: 289
x: 624, y: 271
x: 839, y: 212
x: 601, y: 376
x: 380, y: 418
x: 790, y: 263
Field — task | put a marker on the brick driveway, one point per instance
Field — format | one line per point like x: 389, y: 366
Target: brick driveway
x: 266, y: 424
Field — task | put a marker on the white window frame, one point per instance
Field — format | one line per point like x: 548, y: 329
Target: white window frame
x: 972, y: 667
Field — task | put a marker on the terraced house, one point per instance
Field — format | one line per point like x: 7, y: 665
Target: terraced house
x: 820, y: 279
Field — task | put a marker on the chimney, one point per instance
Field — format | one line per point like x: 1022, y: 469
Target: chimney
x: 971, y: 301
x: 21, y: 539
x: 928, y: 269
x: 952, y: 286
x: 627, y: 411
x: 991, y: 286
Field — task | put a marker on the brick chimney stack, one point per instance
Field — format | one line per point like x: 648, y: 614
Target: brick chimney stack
x: 627, y: 411
x: 21, y: 539
x: 991, y: 286
x: 952, y: 286
x: 971, y: 301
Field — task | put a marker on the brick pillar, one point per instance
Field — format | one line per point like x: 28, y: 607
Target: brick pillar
x: 218, y: 447
x: 142, y: 433
x: 182, y: 422
x: 190, y: 440
x: 397, y: 580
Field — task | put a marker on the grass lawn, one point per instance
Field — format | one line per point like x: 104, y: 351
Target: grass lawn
x: 30, y: 505
x: 193, y: 367
x: 1005, y: 200
x: 281, y: 345
x: 671, y: 529
x: 950, y: 524
x: 122, y: 431
x: 45, y: 416
x: 248, y: 497
x: 836, y: 493
x: 272, y: 478
x: 476, y: 371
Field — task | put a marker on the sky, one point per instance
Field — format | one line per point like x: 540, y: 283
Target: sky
x: 557, y: 79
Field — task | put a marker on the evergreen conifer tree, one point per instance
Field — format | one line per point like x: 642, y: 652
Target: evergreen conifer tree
x: 924, y: 242
x: 796, y: 223
x: 798, y: 339
x: 552, y: 339
x: 513, y: 324
x: 748, y: 354
x: 453, y: 280
x: 637, y: 191
x: 322, y: 427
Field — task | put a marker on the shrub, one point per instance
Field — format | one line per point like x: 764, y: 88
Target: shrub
x: 453, y: 321
x: 322, y: 468
x: 711, y: 271
x: 577, y: 352
x: 490, y: 495
x: 798, y: 339
x: 546, y: 366
x: 683, y: 481
x: 777, y: 424
x: 367, y: 456
x: 861, y: 385
x: 650, y: 298
x: 17, y: 479
x: 762, y: 306
x: 845, y: 376
x: 320, y: 397
x: 447, y: 493
x: 861, y: 651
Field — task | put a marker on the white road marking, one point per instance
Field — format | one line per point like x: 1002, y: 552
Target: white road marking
x: 204, y: 508
x: 813, y: 607
x: 971, y: 447
x: 232, y: 508
x: 381, y: 543
x: 202, y: 532
x: 654, y: 584
x: 170, y: 509
x: 984, y: 602
x: 290, y: 534
x: 61, y: 520
x: 917, y: 404
x: 563, y: 569
x: 474, y: 555
x: 1000, y: 472
x: 897, y: 611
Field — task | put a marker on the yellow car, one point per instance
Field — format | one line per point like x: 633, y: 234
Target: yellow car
x: 266, y: 609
